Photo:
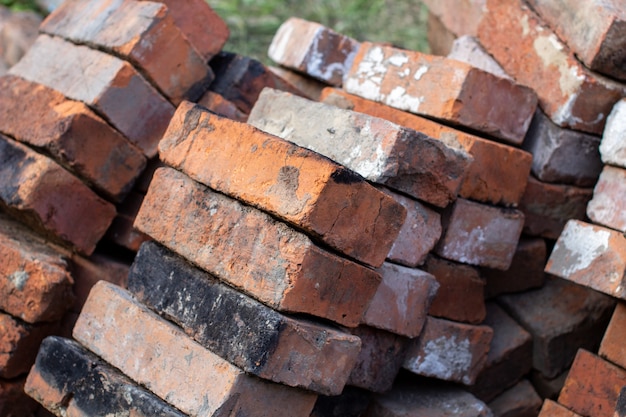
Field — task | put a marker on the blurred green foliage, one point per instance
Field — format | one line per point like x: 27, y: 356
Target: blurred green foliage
x: 20, y: 5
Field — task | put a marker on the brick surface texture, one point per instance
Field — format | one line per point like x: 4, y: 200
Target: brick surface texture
x: 612, y: 347
x: 608, y: 205
x: 612, y: 147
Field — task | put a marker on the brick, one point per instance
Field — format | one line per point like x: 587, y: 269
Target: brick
x: 260, y: 341
x: 592, y: 256
x: 479, y: 234
x: 467, y: 49
x: 554, y: 409
x: 381, y: 357
x: 525, y: 272
x: 140, y: 32
x: 69, y: 380
x: 519, y: 401
x: 592, y: 29
x: 50, y: 199
x: 620, y: 407
x: 253, y: 252
x: 440, y: 38
x: 382, y: 152
x: 548, y: 387
x: 71, y: 133
x: 19, y: 342
x: 612, y: 347
x: 219, y: 105
x: 121, y: 232
x: 562, y: 155
x: 509, y: 359
x: 352, y: 402
x: 444, y: 89
x: 559, y: 329
x: 570, y: 94
x: 499, y: 172
x: 460, y: 296
x: 157, y: 354
x: 548, y: 207
x: 461, y: 17
x: 592, y: 386
x: 295, y: 184
x: 310, y: 87
x: 110, y: 86
x: 313, y: 49
x: 13, y: 400
x: 449, y: 351
x: 612, y: 146
x: 608, y: 205
x: 401, y: 301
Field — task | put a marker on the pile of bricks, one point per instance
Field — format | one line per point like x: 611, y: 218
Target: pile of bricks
x: 361, y: 231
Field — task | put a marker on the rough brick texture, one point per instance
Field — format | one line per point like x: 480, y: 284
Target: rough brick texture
x: 444, y: 89
x: 570, y: 94
x: 612, y: 146
x: 467, y: 49
x: 554, y: 409
x: 591, y: 255
x: 293, y: 183
x: 253, y: 252
x: 520, y: 401
x: 218, y: 104
x: 382, y: 152
x: 313, y: 49
x: 71, y: 133
x: 42, y: 193
x: 608, y: 205
x: 148, y: 349
x: 115, y: 90
x: 612, y: 347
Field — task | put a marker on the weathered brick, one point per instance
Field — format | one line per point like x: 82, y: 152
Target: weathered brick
x: 50, y: 199
x: 158, y: 355
x: 449, y: 351
x: 592, y: 256
x: 592, y: 386
x: 310, y: 87
x: 612, y: 146
x: 548, y: 387
x: 558, y: 329
x: 260, y: 340
x: 313, y: 49
x: 440, y: 38
x: 401, y: 301
x: 467, y: 49
x: 295, y: 184
x: 525, y: 272
x: 35, y: 279
x: 14, y: 402
x: 140, y: 32
x: 71, y: 133
x: 444, y: 89
x: 461, y: 17
x: 352, y: 402
x: 554, y: 409
x: 612, y: 347
x: 69, y: 380
x: 382, y: 152
x: 479, y: 234
x: 121, y: 232
x: 548, y: 207
x: 608, y: 205
x: 520, y: 401
x: 510, y: 355
x: 219, y: 105
x: 570, y: 94
x: 562, y: 155
x: 112, y: 87
x: 254, y: 252
x: 460, y: 296
x: 499, y: 172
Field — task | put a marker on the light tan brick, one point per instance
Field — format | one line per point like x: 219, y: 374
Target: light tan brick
x: 608, y: 205
x: 612, y: 146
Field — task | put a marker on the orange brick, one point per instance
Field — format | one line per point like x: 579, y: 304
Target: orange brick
x: 254, y: 252
x: 612, y: 146
x: 311, y: 87
x: 461, y: 17
x: 521, y: 400
x: 608, y: 205
x: 71, y: 133
x: 612, y: 347
x: 295, y: 184
x: 121, y: 232
x: 467, y: 49
x: 219, y: 105
x: 110, y: 86
x: 499, y: 172
x: 570, y: 94
x: 444, y: 89
x: 554, y: 409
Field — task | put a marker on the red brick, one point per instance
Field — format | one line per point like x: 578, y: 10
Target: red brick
x: 478, y: 234
x: 461, y: 17
x: 14, y: 402
x: 158, y: 355
x: 313, y: 49
x: 121, y: 232
x: 467, y: 49
x: 612, y: 347
x: 35, y: 279
x: 592, y: 386
x: 444, y: 89
x: 449, y: 351
x: 612, y: 146
x: 382, y: 152
x: 142, y: 33
x: 253, y: 252
x: 592, y: 256
x: 310, y: 87
x: 554, y: 409
x: 401, y: 301
x: 548, y: 207
x: 608, y: 205
x: 71, y: 133
x: 499, y: 172
x: 570, y: 94
x: 219, y: 105
x: 294, y: 184
x: 115, y: 90
x: 50, y: 199
x: 460, y: 296
x: 520, y: 401
x: 440, y: 38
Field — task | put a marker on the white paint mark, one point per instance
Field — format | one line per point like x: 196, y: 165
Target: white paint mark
x: 420, y: 72
x: 584, y: 244
x: 398, y: 59
x: 443, y: 358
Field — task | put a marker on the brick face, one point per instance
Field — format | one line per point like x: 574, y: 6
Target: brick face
x: 612, y: 147
x: 608, y: 205
x: 612, y: 347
